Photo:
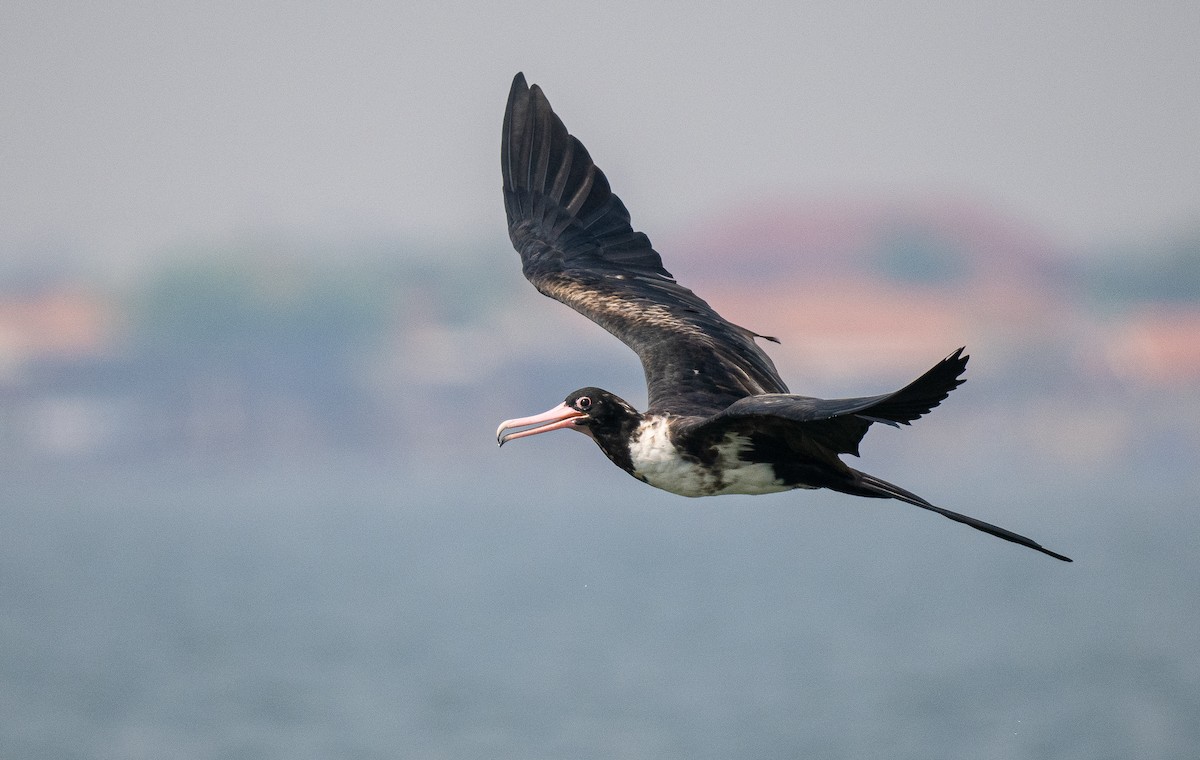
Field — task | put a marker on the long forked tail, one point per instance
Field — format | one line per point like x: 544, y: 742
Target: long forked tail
x: 869, y: 485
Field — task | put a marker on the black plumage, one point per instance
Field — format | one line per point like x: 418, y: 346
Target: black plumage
x: 719, y: 418
x: 577, y: 246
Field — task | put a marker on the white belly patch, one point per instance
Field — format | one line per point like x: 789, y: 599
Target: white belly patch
x: 659, y: 463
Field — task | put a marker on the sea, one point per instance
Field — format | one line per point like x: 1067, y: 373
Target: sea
x: 536, y: 602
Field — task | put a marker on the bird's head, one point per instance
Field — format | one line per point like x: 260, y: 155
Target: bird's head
x: 595, y: 412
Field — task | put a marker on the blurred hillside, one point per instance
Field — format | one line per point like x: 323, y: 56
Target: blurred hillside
x: 267, y: 348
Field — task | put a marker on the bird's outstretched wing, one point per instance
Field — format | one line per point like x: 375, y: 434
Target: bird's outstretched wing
x: 578, y: 247
x: 837, y: 425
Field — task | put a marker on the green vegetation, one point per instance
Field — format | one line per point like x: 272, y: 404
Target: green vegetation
x: 252, y: 301
x: 918, y: 254
x: 251, y: 306
x: 1163, y: 272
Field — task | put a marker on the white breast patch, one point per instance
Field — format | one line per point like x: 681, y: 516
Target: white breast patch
x: 659, y: 463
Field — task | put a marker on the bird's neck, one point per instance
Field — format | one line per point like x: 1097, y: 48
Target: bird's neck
x: 614, y: 439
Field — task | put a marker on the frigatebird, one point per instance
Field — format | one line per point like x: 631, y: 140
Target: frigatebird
x: 719, y: 419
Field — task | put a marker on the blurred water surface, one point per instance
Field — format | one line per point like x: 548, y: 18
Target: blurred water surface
x: 356, y: 608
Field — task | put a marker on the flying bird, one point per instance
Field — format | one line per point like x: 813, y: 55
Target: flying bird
x: 719, y: 419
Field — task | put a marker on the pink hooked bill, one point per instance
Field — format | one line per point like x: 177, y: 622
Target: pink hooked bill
x: 561, y: 416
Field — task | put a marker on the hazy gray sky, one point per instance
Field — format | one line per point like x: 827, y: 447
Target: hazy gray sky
x: 125, y: 127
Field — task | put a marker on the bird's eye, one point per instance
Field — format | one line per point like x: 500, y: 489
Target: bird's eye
x: 583, y: 403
